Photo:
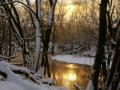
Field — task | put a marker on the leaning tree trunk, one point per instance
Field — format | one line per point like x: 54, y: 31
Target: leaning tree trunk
x: 100, y: 55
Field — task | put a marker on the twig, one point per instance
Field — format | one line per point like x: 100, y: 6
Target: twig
x: 30, y: 38
x: 4, y: 57
x: 6, y: 3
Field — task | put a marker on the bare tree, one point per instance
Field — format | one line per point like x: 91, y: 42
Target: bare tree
x: 14, y: 20
x: 46, y: 39
x: 100, y: 55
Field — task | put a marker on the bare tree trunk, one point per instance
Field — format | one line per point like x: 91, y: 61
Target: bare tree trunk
x: 113, y: 78
x: 10, y: 33
x: 100, y: 55
x: 36, y: 24
x: 46, y: 38
x: 116, y: 78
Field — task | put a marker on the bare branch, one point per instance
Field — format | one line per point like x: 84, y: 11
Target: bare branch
x: 30, y: 38
x: 2, y: 15
x: 22, y: 4
x: 4, y: 57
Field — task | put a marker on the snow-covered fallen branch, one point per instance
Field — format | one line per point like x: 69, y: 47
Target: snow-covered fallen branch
x: 19, y: 70
x: 15, y: 79
x: 15, y: 82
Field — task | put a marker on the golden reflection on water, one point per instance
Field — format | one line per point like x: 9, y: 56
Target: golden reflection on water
x: 70, y: 76
x: 67, y: 75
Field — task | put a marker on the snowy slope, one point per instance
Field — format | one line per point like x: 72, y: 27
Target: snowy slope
x: 15, y: 82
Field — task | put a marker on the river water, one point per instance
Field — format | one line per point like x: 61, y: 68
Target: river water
x: 68, y: 75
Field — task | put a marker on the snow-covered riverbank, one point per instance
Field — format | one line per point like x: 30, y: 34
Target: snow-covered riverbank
x: 74, y: 59
x: 13, y: 81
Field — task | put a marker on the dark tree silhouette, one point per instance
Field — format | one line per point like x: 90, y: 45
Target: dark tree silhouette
x: 100, y: 55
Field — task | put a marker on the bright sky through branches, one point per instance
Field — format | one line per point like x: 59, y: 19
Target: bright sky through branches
x: 70, y: 8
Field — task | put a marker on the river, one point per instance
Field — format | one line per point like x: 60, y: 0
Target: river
x: 65, y: 74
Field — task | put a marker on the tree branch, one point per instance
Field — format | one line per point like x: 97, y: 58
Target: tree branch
x: 22, y: 4
x: 4, y: 57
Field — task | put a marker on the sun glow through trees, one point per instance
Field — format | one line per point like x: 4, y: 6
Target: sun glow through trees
x: 70, y: 8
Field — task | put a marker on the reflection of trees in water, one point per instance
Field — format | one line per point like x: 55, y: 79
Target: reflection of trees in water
x: 65, y: 75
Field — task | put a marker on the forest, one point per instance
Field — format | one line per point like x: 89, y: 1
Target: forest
x: 59, y: 45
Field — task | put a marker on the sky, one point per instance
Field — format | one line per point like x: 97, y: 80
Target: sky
x: 70, y: 7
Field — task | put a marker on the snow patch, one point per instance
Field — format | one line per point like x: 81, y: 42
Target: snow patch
x: 74, y: 59
x: 90, y: 86
x: 6, y: 85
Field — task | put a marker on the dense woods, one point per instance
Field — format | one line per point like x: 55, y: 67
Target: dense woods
x: 37, y: 30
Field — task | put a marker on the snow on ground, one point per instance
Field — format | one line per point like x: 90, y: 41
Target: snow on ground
x: 5, y: 85
x: 15, y: 82
x: 74, y: 59
x: 90, y: 86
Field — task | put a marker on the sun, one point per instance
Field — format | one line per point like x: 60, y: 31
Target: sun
x: 69, y: 8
